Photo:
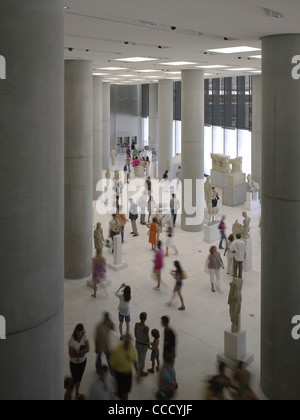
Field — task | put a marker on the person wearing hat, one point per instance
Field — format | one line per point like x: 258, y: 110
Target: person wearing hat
x: 121, y: 363
x: 142, y: 343
x: 102, y: 339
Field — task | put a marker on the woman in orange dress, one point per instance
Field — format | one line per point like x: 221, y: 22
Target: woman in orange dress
x: 154, y: 229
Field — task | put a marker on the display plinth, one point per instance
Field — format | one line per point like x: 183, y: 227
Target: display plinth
x: 247, y: 265
x: 219, y: 179
x: 236, y: 179
x: 252, y: 202
x: 211, y: 233
x: 234, y: 196
x: 117, y: 264
x: 235, y: 349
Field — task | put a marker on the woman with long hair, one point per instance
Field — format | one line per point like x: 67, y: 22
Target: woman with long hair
x: 78, y: 349
x: 124, y: 295
x: 178, y: 274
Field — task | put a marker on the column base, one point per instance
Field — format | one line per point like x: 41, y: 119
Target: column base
x: 117, y: 267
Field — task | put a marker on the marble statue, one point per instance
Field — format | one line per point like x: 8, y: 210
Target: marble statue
x: 251, y: 185
x: 208, y: 191
x: 212, y: 211
x: 242, y: 229
x: 98, y: 238
x: 113, y: 157
x: 236, y: 165
x: 246, y: 226
x: 235, y: 304
x: 220, y: 163
x: 236, y: 228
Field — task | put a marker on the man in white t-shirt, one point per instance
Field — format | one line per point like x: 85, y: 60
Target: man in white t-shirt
x: 238, y: 249
x: 103, y: 388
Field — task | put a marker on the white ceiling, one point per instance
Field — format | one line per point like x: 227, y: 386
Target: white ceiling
x: 113, y: 29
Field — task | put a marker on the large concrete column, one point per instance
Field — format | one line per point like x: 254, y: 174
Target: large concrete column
x: 31, y: 208
x: 106, y: 127
x: 280, y: 272
x: 78, y: 168
x: 192, y: 85
x: 153, y: 116
x: 165, y: 127
x: 256, y: 128
x: 97, y: 134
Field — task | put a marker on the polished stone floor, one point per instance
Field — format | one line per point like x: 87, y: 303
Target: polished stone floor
x: 199, y: 329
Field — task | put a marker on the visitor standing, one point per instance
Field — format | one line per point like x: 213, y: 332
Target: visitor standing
x: 78, y: 350
x: 124, y: 295
x: 158, y: 264
x: 155, y: 351
x: 133, y: 216
x: 142, y: 343
x: 238, y: 249
x: 214, y: 197
x: 170, y: 239
x: 214, y: 264
x: 174, y: 206
x: 153, y: 232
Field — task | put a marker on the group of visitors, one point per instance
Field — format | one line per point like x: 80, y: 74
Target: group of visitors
x: 221, y: 387
x: 115, y: 378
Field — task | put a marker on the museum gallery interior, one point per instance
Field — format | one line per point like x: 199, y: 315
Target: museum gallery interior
x: 214, y: 88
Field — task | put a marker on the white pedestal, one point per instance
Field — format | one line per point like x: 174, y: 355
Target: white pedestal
x: 117, y: 264
x: 236, y: 179
x: 235, y: 349
x: 234, y: 196
x: 252, y: 202
x: 211, y: 233
x: 219, y: 179
x: 247, y: 265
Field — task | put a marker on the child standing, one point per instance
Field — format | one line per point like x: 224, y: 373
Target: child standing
x: 155, y: 351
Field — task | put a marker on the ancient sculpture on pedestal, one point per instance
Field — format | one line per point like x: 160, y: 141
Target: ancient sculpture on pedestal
x: 212, y: 211
x: 235, y: 304
x: 98, y: 238
x: 236, y: 165
x: 220, y: 163
x: 251, y: 185
x: 244, y: 228
x: 113, y: 157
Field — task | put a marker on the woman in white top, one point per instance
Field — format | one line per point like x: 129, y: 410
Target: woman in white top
x: 78, y: 349
x: 124, y: 295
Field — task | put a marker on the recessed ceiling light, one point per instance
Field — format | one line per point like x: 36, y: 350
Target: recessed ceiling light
x: 214, y: 66
x: 146, y: 71
x: 234, y: 50
x: 66, y: 7
x: 136, y: 59
x: 113, y: 68
x: 178, y: 63
x: 241, y: 69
